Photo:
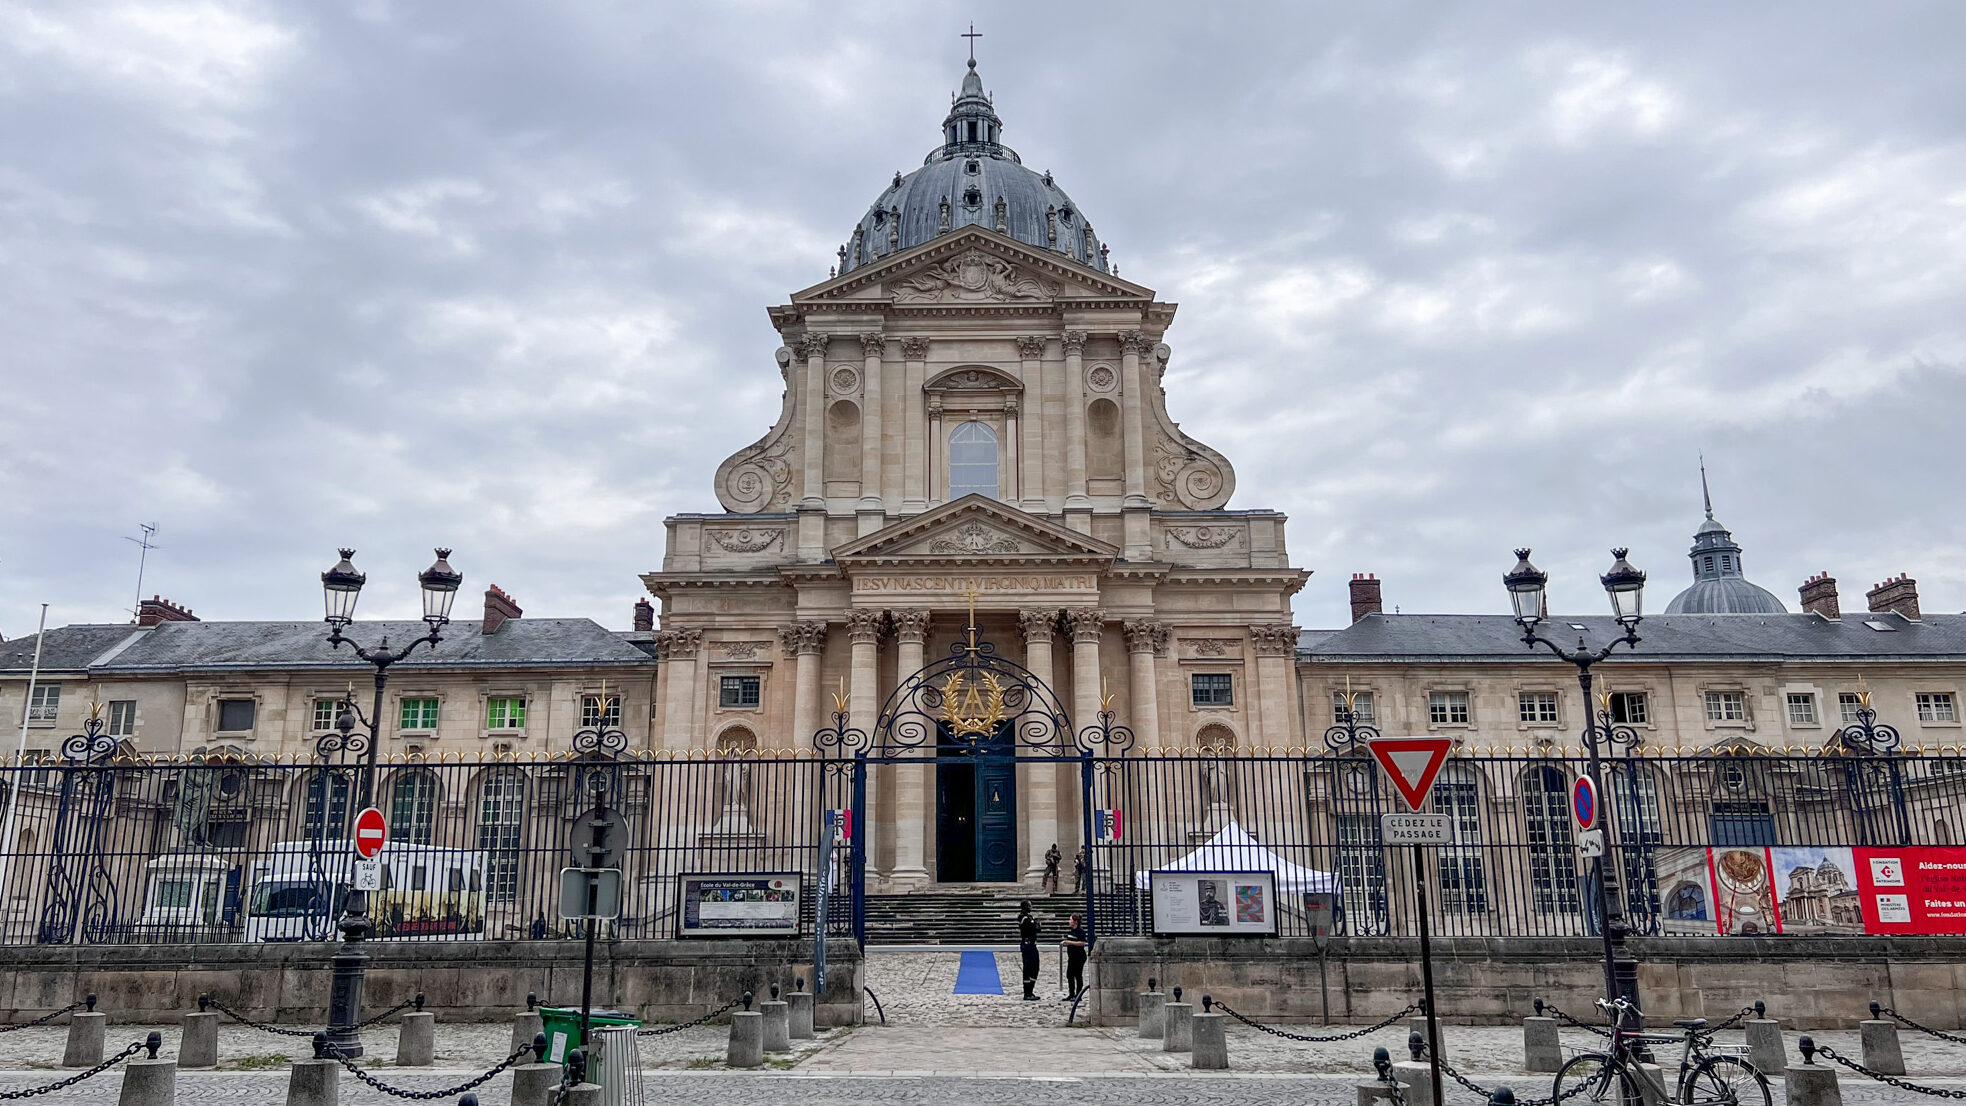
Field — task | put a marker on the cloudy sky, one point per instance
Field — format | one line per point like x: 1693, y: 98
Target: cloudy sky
x: 1453, y: 278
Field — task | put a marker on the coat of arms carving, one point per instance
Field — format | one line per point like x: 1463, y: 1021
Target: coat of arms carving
x: 974, y: 537
x: 973, y: 276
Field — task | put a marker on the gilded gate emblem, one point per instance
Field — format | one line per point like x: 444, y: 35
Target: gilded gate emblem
x: 972, y: 705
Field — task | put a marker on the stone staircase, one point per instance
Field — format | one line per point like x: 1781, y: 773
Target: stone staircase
x: 969, y: 915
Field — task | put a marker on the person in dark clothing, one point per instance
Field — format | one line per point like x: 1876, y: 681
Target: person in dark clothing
x: 1027, y: 944
x: 1052, y: 857
x: 1076, y: 945
x: 1078, y: 871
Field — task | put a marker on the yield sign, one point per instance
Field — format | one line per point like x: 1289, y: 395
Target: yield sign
x: 1413, y: 763
x: 371, y: 833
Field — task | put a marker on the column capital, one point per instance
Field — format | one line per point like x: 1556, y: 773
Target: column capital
x: 803, y: 637
x: 1037, y: 624
x: 914, y: 349
x: 814, y: 345
x: 1011, y: 407
x: 1085, y: 624
x: 1135, y: 342
x: 678, y: 644
x: 934, y: 408
x: 1275, y: 640
x: 873, y: 343
x: 863, y: 626
x: 1145, y: 636
x: 911, y: 627
x: 1030, y: 346
x: 1075, y: 341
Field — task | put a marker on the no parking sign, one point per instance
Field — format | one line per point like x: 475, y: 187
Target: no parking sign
x: 1583, y: 803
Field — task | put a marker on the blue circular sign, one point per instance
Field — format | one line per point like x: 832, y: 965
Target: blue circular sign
x: 1583, y: 802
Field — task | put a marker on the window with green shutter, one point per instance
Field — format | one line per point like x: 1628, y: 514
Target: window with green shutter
x: 419, y: 714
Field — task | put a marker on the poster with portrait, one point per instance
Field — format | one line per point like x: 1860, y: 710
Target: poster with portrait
x: 1219, y: 904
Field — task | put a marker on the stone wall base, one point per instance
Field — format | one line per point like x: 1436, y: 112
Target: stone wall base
x: 461, y: 980
x: 1807, y: 982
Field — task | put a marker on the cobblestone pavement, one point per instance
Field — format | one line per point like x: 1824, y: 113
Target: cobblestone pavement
x: 917, y: 989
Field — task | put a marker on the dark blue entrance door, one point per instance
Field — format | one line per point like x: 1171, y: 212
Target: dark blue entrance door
x: 976, y: 810
x: 996, y: 828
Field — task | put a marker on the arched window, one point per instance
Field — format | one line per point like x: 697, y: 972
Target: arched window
x: 325, y: 806
x: 1687, y: 903
x: 1463, y: 873
x: 413, y: 808
x: 501, y: 813
x: 1546, y: 817
x: 972, y: 461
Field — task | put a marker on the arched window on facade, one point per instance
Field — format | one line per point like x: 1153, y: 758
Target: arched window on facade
x: 324, y: 806
x: 413, y: 807
x: 1687, y: 902
x: 501, y: 817
x: 1463, y: 868
x: 972, y: 461
x: 1552, y: 856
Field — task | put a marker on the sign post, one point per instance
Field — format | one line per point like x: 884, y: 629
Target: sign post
x: 600, y: 837
x: 1414, y: 763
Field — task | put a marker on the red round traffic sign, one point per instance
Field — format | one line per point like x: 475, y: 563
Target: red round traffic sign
x: 1583, y: 802
x: 371, y: 833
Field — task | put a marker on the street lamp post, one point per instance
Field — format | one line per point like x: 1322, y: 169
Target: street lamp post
x: 341, y: 586
x: 1625, y: 586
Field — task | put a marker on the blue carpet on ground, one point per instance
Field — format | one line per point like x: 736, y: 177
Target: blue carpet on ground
x: 978, y: 974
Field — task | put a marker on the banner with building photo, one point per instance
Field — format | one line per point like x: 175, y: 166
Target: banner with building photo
x: 1816, y: 890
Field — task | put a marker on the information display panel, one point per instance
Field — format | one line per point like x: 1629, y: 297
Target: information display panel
x: 738, y: 904
x: 1240, y: 904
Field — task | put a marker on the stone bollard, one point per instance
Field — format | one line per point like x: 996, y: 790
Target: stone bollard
x: 778, y: 1023
x: 1374, y: 1092
x: 84, y: 1049
x: 1418, y: 1024
x: 1209, y: 1037
x: 584, y: 1094
x: 1650, y: 1089
x: 316, y: 1081
x: 534, y: 1084
x: 526, y: 1025
x: 1765, y: 1049
x: 148, y: 1081
x: 747, y: 1037
x: 1880, y: 1040
x: 801, y: 1011
x: 1541, y: 1050
x: 1416, y: 1082
x: 1153, y: 1006
x: 1810, y: 1083
x: 1177, y: 1025
x: 197, y: 1046
x: 416, y: 1040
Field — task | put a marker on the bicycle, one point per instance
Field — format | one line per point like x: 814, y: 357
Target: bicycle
x: 1706, y: 1078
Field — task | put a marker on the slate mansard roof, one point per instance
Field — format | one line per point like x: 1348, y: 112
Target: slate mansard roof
x: 248, y: 646
x: 1481, y: 638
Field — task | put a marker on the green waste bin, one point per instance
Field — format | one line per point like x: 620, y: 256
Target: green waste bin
x: 561, y: 1024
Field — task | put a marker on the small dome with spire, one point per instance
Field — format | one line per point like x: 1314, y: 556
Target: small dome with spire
x: 973, y: 179
x: 1720, y: 583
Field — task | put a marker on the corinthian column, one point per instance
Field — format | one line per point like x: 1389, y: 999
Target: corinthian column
x: 872, y: 488
x: 805, y: 641
x: 677, y: 650
x: 1030, y: 349
x: 914, y: 455
x: 1275, y: 647
x: 912, y: 813
x: 813, y: 348
x: 1039, y: 782
x: 1075, y: 497
x: 1085, y: 625
x: 1133, y: 344
x: 1144, y: 640
x: 863, y: 630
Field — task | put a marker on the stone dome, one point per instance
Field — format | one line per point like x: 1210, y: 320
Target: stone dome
x: 1720, y: 583
x: 972, y: 179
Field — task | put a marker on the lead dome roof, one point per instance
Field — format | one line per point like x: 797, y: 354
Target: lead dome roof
x: 961, y: 183
x: 1720, y: 583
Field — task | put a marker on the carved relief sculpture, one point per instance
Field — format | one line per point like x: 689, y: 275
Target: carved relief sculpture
x: 1213, y: 646
x: 974, y: 538
x: 971, y: 277
x: 1204, y: 537
x: 747, y: 541
x: 739, y: 650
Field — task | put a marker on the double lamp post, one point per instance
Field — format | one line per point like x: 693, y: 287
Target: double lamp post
x: 341, y: 586
x: 1625, y: 586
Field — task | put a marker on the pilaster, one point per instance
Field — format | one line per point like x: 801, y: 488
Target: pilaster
x: 805, y: 642
x: 1030, y: 350
x: 1145, y: 640
x: 678, y: 649
x: 871, y: 510
x: 1275, y: 647
x: 1039, y: 781
x: 1078, y: 506
x: 914, y: 813
x: 914, y: 454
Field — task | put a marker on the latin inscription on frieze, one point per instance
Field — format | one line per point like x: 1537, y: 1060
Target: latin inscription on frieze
x: 957, y: 585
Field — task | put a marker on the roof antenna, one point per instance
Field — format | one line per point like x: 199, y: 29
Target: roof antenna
x: 1704, y: 494
x: 144, y: 543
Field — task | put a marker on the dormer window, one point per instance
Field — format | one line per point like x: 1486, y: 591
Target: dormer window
x: 1065, y: 216
x: 972, y: 197
x: 1727, y: 562
x: 880, y: 217
x: 971, y: 167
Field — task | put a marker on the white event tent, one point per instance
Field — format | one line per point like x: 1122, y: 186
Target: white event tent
x: 1233, y: 850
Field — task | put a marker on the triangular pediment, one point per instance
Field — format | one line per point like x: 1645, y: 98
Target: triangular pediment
x: 975, y: 527
x: 973, y: 266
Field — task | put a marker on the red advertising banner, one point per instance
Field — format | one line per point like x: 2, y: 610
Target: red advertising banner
x: 1918, y: 889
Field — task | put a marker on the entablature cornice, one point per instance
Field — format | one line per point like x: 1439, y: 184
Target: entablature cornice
x: 665, y: 584
x: 1291, y: 580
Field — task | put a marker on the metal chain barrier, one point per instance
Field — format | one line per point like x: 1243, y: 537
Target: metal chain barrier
x: 1411, y: 1009
x: 50, y: 1088
x: 1901, y: 1084
x: 324, y: 1050
x: 249, y: 1023
x: 1487, y: 1094
x: 1570, y: 1021
x: 1730, y: 1023
x: 1877, y: 1009
x: 393, y: 1011
x: 43, y: 1019
x: 680, y: 1026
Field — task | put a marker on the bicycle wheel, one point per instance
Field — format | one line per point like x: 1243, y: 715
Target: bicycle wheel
x: 1725, y: 1081
x: 1596, y: 1078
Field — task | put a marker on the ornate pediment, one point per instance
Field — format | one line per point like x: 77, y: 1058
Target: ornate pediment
x: 972, y: 277
x: 977, y: 267
x: 975, y: 526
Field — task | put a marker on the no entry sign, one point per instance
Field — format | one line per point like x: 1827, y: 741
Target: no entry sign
x: 371, y: 833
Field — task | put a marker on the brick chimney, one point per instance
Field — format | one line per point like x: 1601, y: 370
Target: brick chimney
x: 1819, y: 596
x: 152, y: 611
x: 498, y: 607
x: 1365, y: 595
x: 1895, y: 596
x: 644, y: 615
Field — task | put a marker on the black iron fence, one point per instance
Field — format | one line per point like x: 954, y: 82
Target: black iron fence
x: 122, y: 851
x: 244, y: 850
